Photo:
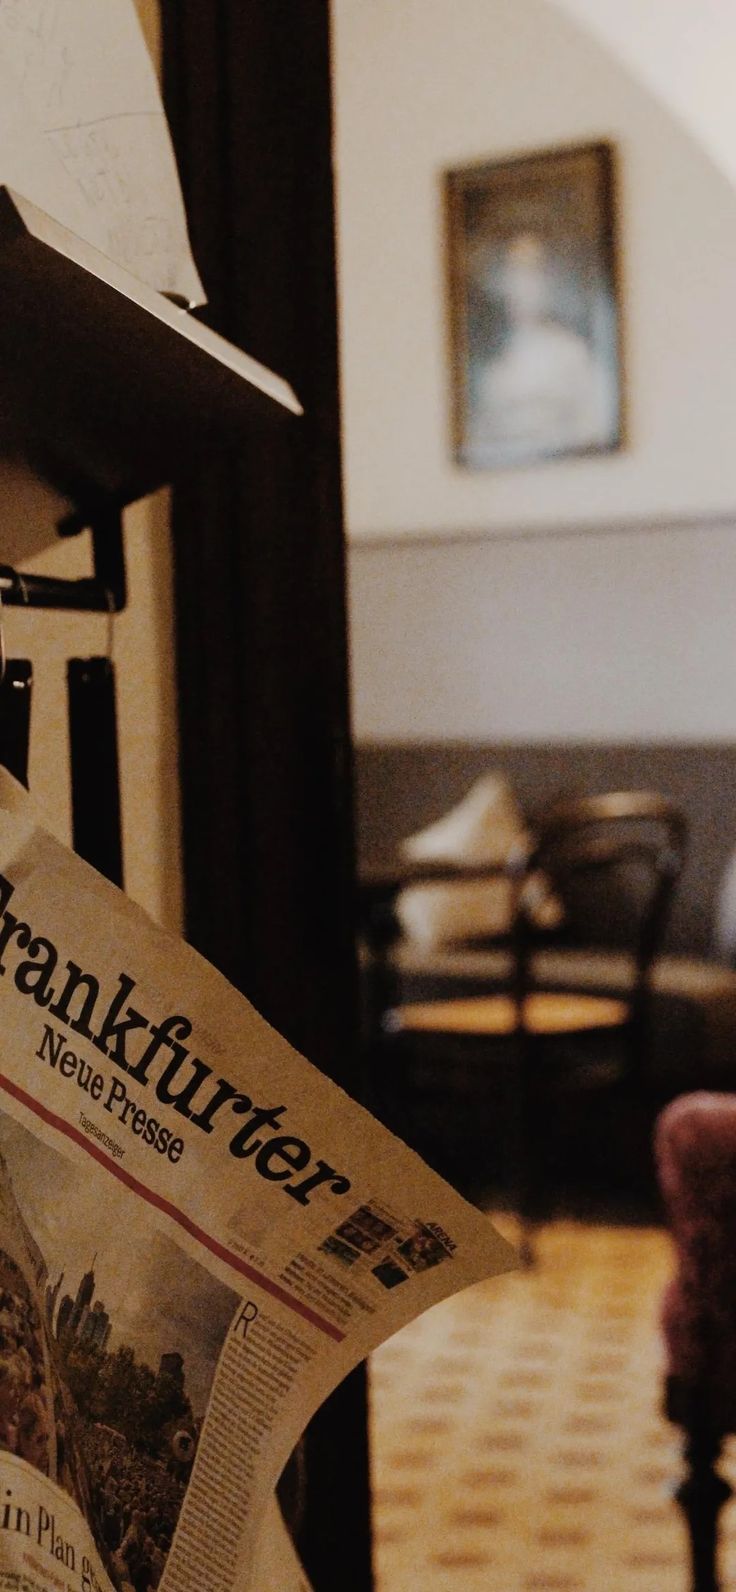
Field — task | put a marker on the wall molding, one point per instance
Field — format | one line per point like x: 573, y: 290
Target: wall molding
x: 398, y: 541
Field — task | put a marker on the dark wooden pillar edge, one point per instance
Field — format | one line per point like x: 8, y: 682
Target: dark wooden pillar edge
x: 260, y: 598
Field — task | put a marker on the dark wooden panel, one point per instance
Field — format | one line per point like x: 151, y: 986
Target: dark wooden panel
x: 260, y: 600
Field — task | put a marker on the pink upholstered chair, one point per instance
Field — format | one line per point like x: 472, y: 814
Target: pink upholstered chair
x: 695, y: 1146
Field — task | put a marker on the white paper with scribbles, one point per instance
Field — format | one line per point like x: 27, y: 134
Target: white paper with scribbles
x: 83, y: 134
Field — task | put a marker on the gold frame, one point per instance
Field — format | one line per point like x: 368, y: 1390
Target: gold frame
x: 561, y: 202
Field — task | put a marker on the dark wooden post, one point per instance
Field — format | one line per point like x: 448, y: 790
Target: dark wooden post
x: 259, y: 561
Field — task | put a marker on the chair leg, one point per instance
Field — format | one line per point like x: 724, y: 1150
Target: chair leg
x: 701, y: 1496
x: 528, y: 1199
x: 529, y: 1140
x: 527, y: 1246
x: 527, y: 1190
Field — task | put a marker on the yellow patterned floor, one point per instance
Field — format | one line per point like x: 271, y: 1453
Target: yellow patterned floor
x: 517, y: 1440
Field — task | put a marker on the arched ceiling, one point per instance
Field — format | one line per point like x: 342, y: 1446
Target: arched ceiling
x: 684, y: 51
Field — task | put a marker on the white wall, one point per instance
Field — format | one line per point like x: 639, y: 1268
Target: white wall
x: 684, y: 51
x: 423, y: 85
x: 143, y: 653
x: 622, y: 633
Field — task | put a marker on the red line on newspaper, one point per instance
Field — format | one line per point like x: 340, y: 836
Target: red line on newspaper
x: 173, y: 1211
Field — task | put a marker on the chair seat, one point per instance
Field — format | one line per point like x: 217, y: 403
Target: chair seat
x: 545, y: 1012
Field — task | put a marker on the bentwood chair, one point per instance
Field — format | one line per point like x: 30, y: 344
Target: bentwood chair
x: 613, y: 860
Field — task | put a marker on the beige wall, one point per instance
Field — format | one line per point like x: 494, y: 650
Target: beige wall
x: 684, y: 51
x: 423, y: 85
x: 621, y: 633
x: 146, y: 697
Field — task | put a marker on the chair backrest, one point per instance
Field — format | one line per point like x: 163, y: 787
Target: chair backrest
x: 626, y: 849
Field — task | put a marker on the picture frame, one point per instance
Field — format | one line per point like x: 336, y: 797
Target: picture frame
x: 535, y: 322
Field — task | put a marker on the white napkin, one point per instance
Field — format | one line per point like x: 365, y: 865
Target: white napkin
x: 484, y: 827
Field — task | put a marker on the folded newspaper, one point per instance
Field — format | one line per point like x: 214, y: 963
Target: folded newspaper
x: 200, y: 1235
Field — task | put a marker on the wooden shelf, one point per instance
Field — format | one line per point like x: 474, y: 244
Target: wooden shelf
x: 105, y: 385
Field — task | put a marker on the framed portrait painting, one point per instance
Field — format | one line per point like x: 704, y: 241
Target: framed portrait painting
x: 534, y: 313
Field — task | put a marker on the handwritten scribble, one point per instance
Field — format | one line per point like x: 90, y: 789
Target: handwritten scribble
x: 88, y: 85
x: 39, y: 53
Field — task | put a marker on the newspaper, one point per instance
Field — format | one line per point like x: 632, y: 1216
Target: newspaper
x: 83, y: 134
x: 277, y: 1564
x: 200, y: 1235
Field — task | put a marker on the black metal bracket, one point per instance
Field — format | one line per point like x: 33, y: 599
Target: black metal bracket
x: 105, y: 591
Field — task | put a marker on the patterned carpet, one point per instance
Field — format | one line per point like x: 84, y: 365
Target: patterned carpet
x: 517, y: 1440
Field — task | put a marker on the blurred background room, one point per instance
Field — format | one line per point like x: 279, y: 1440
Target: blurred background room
x: 537, y: 617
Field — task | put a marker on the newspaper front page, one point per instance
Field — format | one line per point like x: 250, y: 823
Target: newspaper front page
x: 200, y: 1235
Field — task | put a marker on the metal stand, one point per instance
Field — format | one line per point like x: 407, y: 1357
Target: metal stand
x: 102, y: 592
x: 15, y: 717
x: 93, y: 747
